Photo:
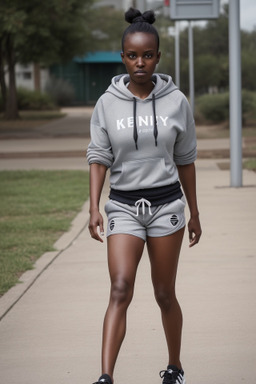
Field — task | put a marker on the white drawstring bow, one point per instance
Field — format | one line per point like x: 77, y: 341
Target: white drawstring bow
x: 142, y: 203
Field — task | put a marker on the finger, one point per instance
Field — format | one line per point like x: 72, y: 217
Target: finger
x: 97, y: 237
x: 101, y: 229
x: 94, y: 233
x: 194, y: 239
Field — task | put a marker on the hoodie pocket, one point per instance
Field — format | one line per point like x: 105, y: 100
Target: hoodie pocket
x: 139, y: 174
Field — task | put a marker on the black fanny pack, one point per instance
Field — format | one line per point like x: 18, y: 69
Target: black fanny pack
x: 156, y: 196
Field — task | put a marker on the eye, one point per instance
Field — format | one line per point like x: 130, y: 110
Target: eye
x: 149, y: 55
x: 131, y: 56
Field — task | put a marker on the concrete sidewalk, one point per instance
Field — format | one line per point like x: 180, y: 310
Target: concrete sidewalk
x: 50, y: 329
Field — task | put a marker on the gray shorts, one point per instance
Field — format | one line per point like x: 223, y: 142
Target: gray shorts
x: 142, y: 220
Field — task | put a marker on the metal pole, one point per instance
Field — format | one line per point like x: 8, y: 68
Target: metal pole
x: 177, y: 54
x: 191, y: 66
x: 235, y: 94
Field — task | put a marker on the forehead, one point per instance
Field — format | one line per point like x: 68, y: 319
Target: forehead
x: 140, y: 40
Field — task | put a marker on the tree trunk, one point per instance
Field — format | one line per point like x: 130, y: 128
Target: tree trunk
x: 37, y: 77
x: 11, y: 111
x: 2, y: 76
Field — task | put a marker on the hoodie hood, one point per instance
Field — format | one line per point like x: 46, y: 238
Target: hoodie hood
x: 163, y: 86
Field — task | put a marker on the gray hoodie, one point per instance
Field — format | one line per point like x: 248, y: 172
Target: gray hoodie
x: 142, y: 140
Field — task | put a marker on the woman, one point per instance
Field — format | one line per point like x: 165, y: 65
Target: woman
x: 143, y: 130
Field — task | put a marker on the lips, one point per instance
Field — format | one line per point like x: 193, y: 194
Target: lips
x: 140, y: 72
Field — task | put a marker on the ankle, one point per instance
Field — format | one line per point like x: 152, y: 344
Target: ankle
x: 175, y: 366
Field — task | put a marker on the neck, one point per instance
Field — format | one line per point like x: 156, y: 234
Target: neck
x: 141, y: 90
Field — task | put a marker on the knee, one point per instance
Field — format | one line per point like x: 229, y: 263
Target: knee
x: 121, y: 292
x: 165, y: 299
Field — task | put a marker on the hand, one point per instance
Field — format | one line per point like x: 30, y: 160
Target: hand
x: 96, y: 220
x: 195, y: 231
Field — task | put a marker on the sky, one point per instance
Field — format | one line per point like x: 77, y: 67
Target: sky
x: 247, y: 14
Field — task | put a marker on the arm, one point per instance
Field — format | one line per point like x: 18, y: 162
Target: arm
x: 97, y: 178
x: 187, y: 177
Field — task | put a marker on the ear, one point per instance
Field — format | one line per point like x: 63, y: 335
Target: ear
x: 158, y: 56
x: 122, y: 56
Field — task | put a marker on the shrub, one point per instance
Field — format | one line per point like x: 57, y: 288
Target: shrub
x: 33, y: 100
x: 215, y: 108
x: 61, y: 91
x: 248, y: 103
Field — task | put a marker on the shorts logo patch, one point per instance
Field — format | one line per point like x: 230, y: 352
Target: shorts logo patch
x: 174, y: 220
x: 112, y: 225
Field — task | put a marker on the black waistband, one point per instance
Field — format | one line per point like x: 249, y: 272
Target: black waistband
x: 156, y: 196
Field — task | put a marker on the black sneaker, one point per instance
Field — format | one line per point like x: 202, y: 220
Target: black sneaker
x: 104, y: 379
x: 173, y: 375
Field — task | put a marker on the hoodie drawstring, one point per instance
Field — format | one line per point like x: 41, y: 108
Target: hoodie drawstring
x: 135, y: 132
x: 142, y: 203
x: 155, y: 121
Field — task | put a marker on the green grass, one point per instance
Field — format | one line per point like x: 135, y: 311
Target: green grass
x: 250, y: 164
x: 36, y: 208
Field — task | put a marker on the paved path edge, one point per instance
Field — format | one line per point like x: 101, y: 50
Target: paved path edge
x: 28, y: 278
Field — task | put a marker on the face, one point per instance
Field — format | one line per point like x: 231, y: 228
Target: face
x: 140, y: 56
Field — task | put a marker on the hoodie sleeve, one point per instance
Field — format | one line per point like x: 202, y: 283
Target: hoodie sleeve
x: 99, y: 150
x: 185, y: 149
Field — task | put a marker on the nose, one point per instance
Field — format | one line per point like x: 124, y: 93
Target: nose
x: 140, y: 62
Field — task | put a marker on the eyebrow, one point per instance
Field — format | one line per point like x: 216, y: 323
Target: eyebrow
x: 148, y: 51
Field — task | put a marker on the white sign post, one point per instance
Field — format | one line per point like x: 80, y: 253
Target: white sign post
x: 235, y: 99
x: 193, y: 10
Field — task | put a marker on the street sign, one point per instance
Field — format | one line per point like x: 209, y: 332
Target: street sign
x: 194, y: 10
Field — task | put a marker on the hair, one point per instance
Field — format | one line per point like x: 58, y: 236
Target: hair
x: 140, y: 23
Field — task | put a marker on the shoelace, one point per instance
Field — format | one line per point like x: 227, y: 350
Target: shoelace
x: 142, y: 203
x: 171, y: 377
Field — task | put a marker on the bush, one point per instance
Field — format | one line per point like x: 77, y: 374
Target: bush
x: 33, y: 100
x: 61, y: 91
x: 248, y: 103
x: 215, y: 108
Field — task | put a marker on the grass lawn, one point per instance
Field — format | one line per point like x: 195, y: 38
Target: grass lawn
x: 36, y: 208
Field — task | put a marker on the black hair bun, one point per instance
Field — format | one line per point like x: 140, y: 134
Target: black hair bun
x: 134, y: 16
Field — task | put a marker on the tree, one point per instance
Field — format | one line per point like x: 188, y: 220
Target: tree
x: 107, y: 25
x: 42, y: 32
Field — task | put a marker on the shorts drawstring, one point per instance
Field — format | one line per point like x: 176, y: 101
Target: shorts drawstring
x: 142, y: 203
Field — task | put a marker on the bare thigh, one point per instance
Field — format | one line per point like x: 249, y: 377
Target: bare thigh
x: 124, y: 254
x: 164, y: 256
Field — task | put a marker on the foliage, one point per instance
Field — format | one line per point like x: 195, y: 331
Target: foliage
x: 215, y: 108
x: 61, y: 91
x: 33, y: 100
x: 36, y: 208
x: 211, y: 55
x: 41, y: 32
x: 106, y: 25
x: 46, y: 31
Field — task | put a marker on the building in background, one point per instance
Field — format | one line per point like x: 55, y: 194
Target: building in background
x: 31, y: 76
